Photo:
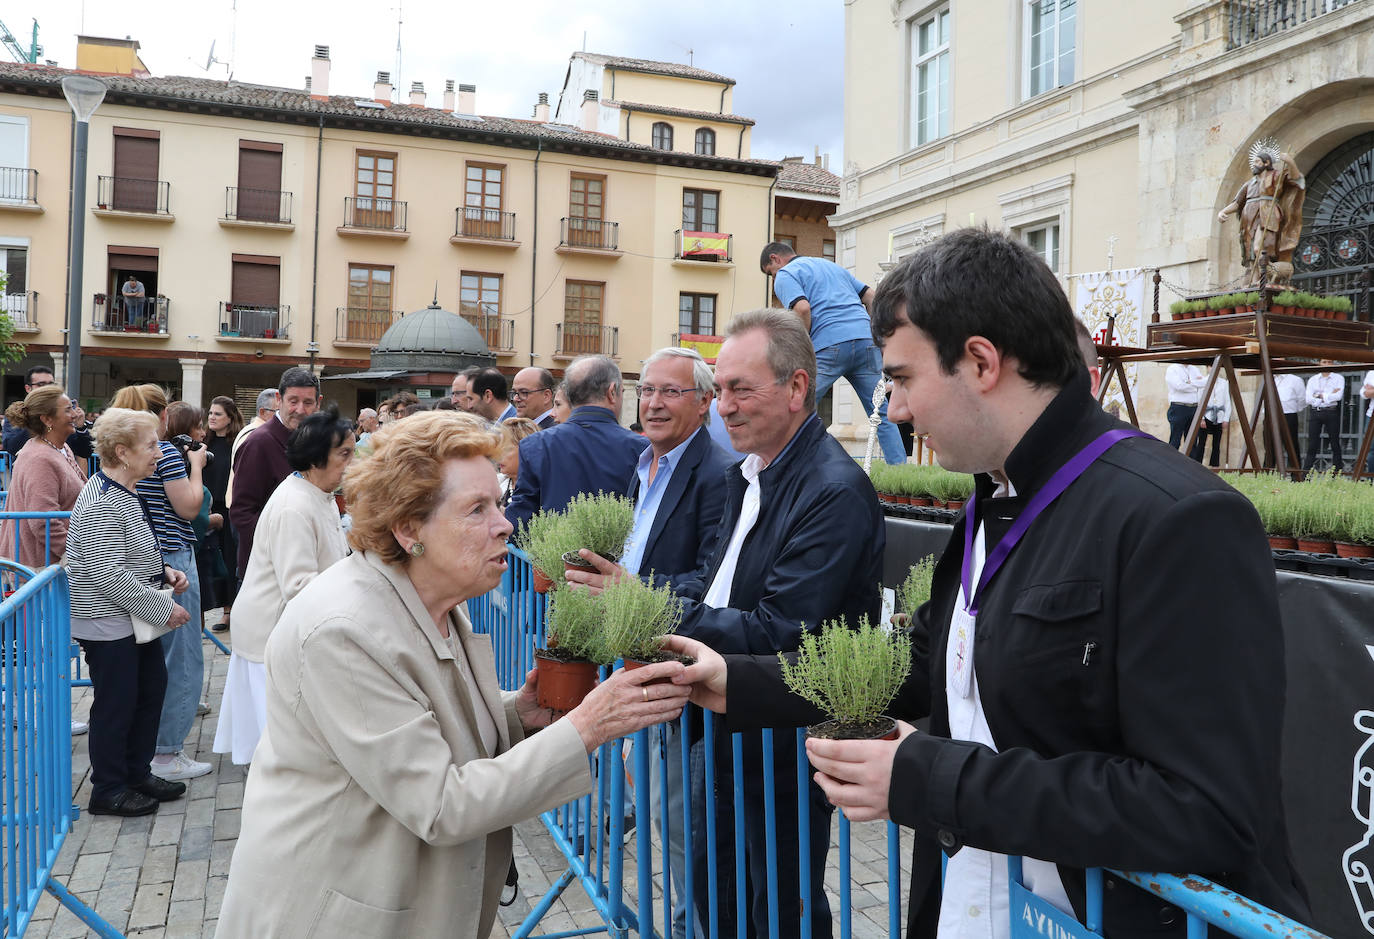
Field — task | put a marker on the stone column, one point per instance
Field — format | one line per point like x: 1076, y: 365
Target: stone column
x: 59, y: 369
x: 192, y: 380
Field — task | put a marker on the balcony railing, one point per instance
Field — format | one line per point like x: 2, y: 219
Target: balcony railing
x: 249, y: 321
x: 708, y: 346
x: 122, y: 194
x: 589, y: 233
x: 352, y: 324
x: 703, y: 246
x: 497, y: 331
x: 257, y: 205
x: 1251, y: 20
x: 22, y: 310
x: 490, y: 224
x: 18, y: 185
x: 119, y: 315
x: 587, y: 339
x: 374, y: 214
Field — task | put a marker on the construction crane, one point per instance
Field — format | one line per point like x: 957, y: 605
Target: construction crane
x: 16, y: 50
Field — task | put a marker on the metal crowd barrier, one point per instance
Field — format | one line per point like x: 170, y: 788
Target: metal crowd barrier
x: 513, y: 616
x: 16, y: 576
x: 35, y: 746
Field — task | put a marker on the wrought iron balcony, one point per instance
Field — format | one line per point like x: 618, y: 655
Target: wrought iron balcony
x: 18, y: 186
x: 382, y: 215
x: 21, y: 308
x: 1252, y: 20
x: 118, y: 314
x: 123, y: 194
x: 484, y: 224
x: 587, y: 339
x: 703, y: 246
x: 249, y: 321
x: 355, y: 325
x: 497, y: 331
x: 257, y: 205
x: 589, y: 233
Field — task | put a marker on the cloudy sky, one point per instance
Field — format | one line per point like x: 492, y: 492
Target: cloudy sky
x: 786, y: 58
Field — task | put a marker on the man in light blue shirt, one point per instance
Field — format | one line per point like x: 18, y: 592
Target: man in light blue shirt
x: 834, y: 306
x: 679, y: 495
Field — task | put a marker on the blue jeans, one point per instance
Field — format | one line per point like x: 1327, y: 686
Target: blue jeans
x: 185, y: 658
x: 860, y: 363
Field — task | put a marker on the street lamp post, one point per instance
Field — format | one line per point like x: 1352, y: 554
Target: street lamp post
x: 84, y: 94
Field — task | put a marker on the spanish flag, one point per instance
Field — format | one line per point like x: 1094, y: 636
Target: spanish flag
x: 705, y: 243
x: 708, y: 346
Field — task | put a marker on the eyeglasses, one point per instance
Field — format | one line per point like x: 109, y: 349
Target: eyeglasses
x: 519, y: 394
x: 668, y: 393
x: 42, y: 384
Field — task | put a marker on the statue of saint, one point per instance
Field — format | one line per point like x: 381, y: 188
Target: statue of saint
x: 1270, y: 207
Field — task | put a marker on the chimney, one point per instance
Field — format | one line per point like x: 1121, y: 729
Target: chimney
x: 541, y: 110
x: 467, y: 99
x: 381, y: 90
x: 318, y: 85
x: 417, y: 94
x: 591, y: 108
x: 448, y: 95
x: 307, y: 84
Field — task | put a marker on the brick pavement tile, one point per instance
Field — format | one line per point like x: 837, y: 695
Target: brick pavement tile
x: 208, y: 930
x: 195, y: 844
x: 227, y: 823
x: 47, y: 907
x: 221, y: 852
x: 229, y: 795
x: 148, y: 932
x: 102, y: 835
x: 190, y: 880
x: 150, y: 906
x: 200, y: 813
x: 214, y: 895
x: 116, y: 900
x: 129, y: 850
x: 66, y: 925
x: 121, y: 875
x: 187, y: 913
x: 167, y: 830
x: 71, y: 849
x: 89, y: 872
x: 159, y: 865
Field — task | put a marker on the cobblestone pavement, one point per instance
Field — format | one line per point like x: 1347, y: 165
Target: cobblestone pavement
x: 163, y: 876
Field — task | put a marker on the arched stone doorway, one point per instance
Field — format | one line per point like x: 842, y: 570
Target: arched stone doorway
x: 1336, y: 252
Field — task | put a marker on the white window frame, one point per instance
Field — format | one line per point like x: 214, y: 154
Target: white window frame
x: 937, y: 61
x: 1051, y: 253
x: 1028, y: 90
x: 1039, y: 205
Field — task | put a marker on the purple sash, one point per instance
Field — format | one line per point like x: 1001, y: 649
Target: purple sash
x: 1061, y: 480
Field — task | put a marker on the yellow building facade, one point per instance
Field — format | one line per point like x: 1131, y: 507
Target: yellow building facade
x: 270, y: 227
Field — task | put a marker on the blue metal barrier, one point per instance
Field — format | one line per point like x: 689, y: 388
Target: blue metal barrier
x: 591, y: 832
x: 35, y: 747
x: 12, y: 550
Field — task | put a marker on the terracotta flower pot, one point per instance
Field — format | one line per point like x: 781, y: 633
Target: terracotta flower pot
x: 922, y: 500
x: 543, y: 583
x: 572, y: 561
x: 1283, y: 543
x: 1346, y: 549
x: 1316, y: 546
x: 954, y: 504
x: 902, y: 500
x: 940, y: 503
x: 562, y: 685
x: 1281, y: 310
x: 1226, y: 311
x: 884, y: 728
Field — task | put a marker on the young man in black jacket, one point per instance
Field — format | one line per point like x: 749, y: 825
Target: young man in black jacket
x: 1096, y: 698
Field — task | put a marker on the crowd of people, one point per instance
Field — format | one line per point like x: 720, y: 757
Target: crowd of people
x: 1061, y: 679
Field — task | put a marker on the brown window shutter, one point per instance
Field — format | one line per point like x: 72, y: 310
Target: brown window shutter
x: 133, y: 259
x: 135, y: 157
x: 259, y: 184
x: 256, y: 284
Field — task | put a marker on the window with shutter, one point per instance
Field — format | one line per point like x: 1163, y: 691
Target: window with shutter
x: 259, y: 197
x: 135, y: 170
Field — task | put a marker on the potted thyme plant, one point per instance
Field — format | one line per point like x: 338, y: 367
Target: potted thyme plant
x: 567, y: 669
x: 852, y: 675
x: 600, y: 523
x: 914, y: 591
x: 634, y: 619
x: 545, y: 538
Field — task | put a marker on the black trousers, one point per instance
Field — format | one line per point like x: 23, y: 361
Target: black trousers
x: 1272, y: 446
x: 1328, y: 420
x: 129, y: 681
x: 1206, y: 432
x: 788, y: 868
x: 1180, y: 419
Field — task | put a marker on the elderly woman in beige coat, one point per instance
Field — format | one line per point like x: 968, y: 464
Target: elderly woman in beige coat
x: 382, y: 794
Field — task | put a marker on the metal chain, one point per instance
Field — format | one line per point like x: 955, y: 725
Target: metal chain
x: 1185, y: 291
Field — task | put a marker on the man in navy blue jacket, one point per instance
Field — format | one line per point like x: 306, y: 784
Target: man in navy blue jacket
x: 590, y: 452
x: 800, y: 542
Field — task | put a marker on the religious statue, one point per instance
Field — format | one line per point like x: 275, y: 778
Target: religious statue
x: 1270, y: 207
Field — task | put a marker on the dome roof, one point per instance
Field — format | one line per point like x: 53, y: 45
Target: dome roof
x: 433, y: 330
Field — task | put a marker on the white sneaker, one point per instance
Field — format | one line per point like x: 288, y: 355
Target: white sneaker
x: 79, y: 728
x: 178, y: 765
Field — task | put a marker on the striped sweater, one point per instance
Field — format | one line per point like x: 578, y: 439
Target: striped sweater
x: 112, y: 555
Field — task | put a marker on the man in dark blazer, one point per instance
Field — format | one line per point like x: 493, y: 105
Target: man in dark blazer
x: 1101, y: 700
x: 531, y: 391
x: 590, y: 452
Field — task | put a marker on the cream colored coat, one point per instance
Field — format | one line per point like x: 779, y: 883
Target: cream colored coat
x: 372, y: 809
x: 297, y: 537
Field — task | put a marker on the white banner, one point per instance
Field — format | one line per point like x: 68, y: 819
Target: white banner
x: 1120, y: 294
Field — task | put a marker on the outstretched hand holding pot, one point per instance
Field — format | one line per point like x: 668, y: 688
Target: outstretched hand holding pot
x: 629, y: 701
